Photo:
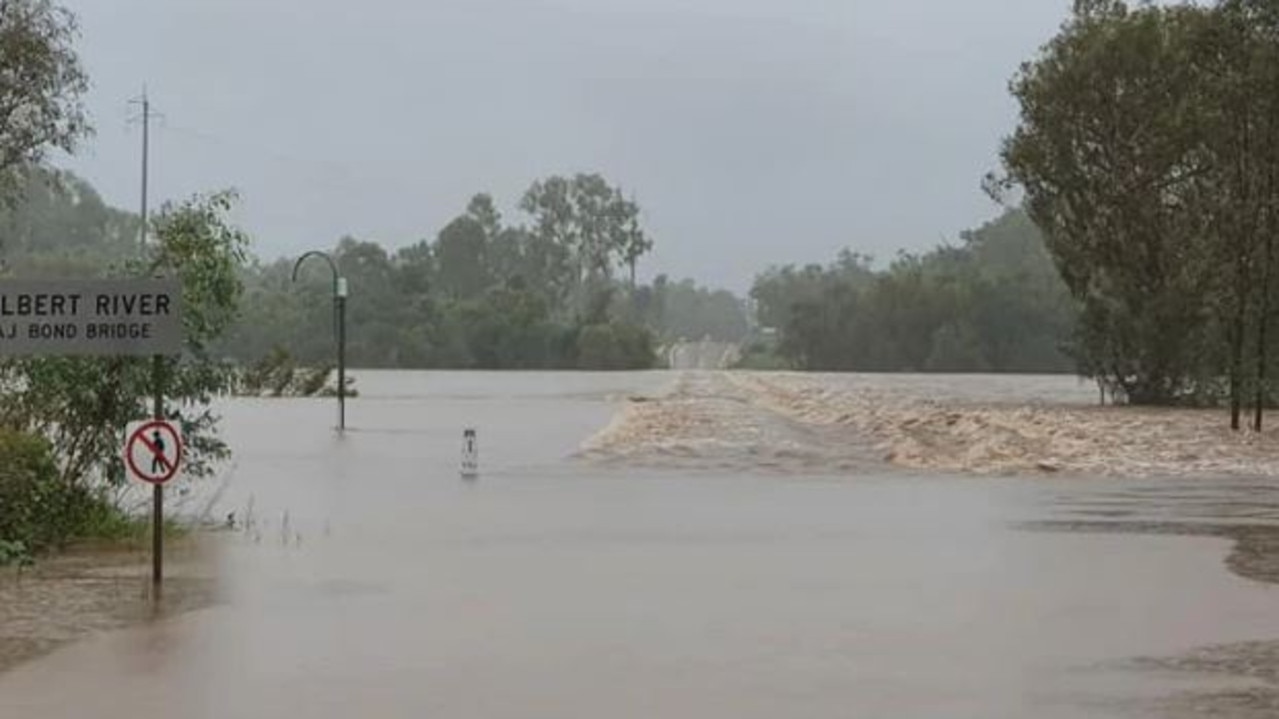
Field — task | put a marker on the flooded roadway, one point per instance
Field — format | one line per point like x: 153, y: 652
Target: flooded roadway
x: 366, y: 578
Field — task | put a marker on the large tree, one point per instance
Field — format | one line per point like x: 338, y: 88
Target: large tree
x: 1148, y: 150
x: 1111, y: 156
x: 590, y: 228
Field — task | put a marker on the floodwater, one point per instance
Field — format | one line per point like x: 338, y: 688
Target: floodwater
x: 366, y: 578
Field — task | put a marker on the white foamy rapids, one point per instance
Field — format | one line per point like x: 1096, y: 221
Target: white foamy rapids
x: 980, y: 425
x: 705, y: 421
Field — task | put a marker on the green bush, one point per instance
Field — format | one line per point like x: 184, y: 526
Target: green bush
x: 762, y: 357
x: 615, y: 346
x: 38, y: 509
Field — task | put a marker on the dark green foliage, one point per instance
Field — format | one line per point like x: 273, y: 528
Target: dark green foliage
x: 481, y: 296
x: 1148, y: 151
x: 762, y: 356
x: 278, y: 375
x: 993, y: 304
x: 614, y: 346
x: 41, y: 85
x: 38, y: 509
x: 685, y: 311
x: 81, y: 405
x: 62, y: 228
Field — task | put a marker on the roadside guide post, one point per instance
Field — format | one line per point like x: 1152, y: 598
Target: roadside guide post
x: 470, y: 454
x: 339, y: 316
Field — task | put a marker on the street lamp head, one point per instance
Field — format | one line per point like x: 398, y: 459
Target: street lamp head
x: 322, y: 255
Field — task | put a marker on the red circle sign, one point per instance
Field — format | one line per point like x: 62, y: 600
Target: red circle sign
x: 164, y: 462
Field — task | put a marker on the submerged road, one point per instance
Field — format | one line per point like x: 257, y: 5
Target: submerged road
x: 365, y: 578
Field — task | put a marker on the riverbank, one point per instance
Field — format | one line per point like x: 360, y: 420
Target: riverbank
x: 97, y: 588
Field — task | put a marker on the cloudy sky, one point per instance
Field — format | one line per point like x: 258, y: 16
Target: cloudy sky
x: 752, y: 132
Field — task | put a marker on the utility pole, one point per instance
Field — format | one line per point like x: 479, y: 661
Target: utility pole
x: 157, y: 367
x: 146, y: 146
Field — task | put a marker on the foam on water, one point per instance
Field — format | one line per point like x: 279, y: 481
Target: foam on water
x: 969, y: 424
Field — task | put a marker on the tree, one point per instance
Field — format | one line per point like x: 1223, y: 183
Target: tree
x: 41, y: 85
x: 62, y: 227
x: 1244, y: 137
x: 1149, y: 153
x: 635, y: 242
x: 461, y: 251
x: 82, y: 405
x: 992, y: 304
x: 586, y: 227
x: 480, y: 295
x: 482, y: 210
x: 1111, y: 156
x: 683, y: 310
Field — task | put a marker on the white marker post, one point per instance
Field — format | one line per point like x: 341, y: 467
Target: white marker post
x: 470, y: 454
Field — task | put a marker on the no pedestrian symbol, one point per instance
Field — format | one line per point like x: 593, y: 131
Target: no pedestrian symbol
x: 153, y: 451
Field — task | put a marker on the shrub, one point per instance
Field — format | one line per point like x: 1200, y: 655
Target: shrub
x: 615, y: 346
x: 38, y: 509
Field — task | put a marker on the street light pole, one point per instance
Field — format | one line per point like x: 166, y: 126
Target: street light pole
x: 339, y: 309
x: 339, y: 297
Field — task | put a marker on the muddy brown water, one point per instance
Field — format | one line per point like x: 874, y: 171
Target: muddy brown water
x: 365, y: 577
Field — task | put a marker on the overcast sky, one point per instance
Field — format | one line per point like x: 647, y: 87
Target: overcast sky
x: 751, y: 132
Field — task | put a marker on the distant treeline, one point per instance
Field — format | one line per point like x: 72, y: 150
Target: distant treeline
x: 994, y: 303
x: 557, y: 292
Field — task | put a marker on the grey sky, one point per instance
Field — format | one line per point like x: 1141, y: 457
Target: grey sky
x: 751, y: 132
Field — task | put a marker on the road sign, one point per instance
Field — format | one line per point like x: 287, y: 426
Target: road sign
x: 90, y: 317
x: 153, y: 451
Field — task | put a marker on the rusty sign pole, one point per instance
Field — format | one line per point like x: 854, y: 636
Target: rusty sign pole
x: 157, y: 370
x: 157, y: 497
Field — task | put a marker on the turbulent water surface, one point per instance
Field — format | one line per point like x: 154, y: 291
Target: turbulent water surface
x: 664, y: 544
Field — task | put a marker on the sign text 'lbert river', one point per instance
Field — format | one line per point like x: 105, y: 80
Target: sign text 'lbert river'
x: 90, y: 317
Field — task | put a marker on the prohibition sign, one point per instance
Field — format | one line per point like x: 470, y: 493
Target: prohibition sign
x: 153, y: 451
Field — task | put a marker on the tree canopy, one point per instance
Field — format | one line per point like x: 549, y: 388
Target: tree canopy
x: 1148, y: 151
x: 992, y: 304
x: 41, y: 85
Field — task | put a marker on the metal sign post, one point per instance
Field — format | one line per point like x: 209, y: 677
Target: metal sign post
x: 121, y: 318
x: 157, y: 491
x: 153, y: 453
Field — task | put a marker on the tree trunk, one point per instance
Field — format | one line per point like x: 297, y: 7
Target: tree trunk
x: 1263, y: 320
x: 1236, y: 369
x: 1261, y: 352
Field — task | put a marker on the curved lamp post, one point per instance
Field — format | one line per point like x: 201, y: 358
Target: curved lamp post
x: 339, y: 311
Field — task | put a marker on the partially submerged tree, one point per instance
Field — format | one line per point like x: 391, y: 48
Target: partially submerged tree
x: 1148, y: 152
x: 1109, y: 153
